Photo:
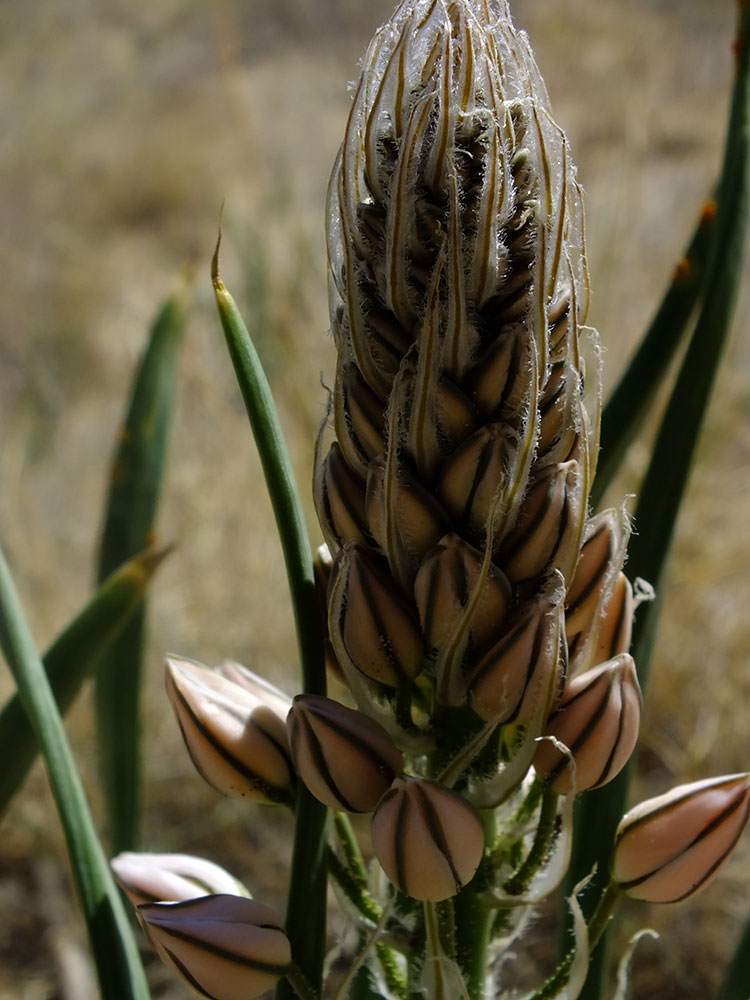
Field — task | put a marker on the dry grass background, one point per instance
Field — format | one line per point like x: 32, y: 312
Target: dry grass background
x: 123, y: 126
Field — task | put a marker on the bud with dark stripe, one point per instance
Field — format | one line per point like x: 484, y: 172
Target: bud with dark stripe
x: 372, y: 626
x: 525, y: 666
x: 345, y: 758
x: 547, y: 533
x: 236, y: 737
x: 671, y: 847
x: 428, y: 839
x: 597, y: 720
x: 598, y: 567
x: 171, y: 878
x: 224, y: 947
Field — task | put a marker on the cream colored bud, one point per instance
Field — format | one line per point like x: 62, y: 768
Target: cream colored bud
x: 672, y: 846
x: 557, y: 429
x: 404, y: 518
x: 475, y: 475
x: 600, y: 559
x: 502, y: 378
x: 525, y: 665
x: 548, y: 528
x: 343, y: 500
x: 225, y: 947
x: 616, y: 622
x: 345, y: 758
x: 371, y: 625
x: 235, y: 737
x: 597, y: 720
x: 171, y: 878
x: 427, y: 838
x: 359, y: 415
x: 445, y: 585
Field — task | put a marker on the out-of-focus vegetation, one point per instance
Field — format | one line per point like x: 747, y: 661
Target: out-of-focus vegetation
x: 124, y: 126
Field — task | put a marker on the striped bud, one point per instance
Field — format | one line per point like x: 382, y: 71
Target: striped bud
x: 372, y: 627
x: 345, y: 758
x: 547, y: 531
x: 236, y: 737
x: 616, y: 623
x: 475, y: 475
x: 597, y: 720
x: 452, y: 584
x: 224, y: 947
x: 600, y: 560
x: 171, y: 878
x: 404, y: 518
x: 427, y: 838
x: 342, y: 505
x: 525, y: 665
x: 502, y: 378
x: 358, y: 417
x: 672, y: 846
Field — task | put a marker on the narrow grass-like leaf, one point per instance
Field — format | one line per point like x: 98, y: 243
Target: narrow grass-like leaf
x: 305, y: 918
x: 115, y: 952
x: 71, y: 658
x: 735, y: 985
x: 671, y: 460
x: 633, y: 395
x: 128, y: 528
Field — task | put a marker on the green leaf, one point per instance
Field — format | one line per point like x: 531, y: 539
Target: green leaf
x: 128, y: 529
x: 72, y: 658
x: 666, y: 479
x: 115, y: 952
x: 632, y: 397
x: 306, y: 906
x: 735, y: 985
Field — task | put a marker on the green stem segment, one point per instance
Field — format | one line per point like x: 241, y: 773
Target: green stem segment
x: 667, y: 476
x: 306, y: 907
x: 115, y: 952
x: 632, y: 397
x: 71, y: 658
x: 545, y: 832
x: 128, y: 528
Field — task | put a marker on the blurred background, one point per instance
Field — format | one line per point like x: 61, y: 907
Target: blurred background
x: 123, y: 127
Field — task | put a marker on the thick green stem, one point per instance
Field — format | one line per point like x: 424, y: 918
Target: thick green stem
x: 545, y: 832
x: 306, y: 905
x: 115, y: 952
x: 474, y: 924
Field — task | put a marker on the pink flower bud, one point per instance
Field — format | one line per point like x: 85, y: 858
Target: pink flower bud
x: 597, y: 720
x: 428, y: 839
x: 225, y: 947
x: 345, y: 758
x: 234, y: 732
x: 671, y: 847
x: 171, y: 878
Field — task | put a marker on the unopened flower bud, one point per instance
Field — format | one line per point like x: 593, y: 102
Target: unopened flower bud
x: 547, y: 532
x: 427, y: 838
x: 225, y: 947
x: 616, y: 622
x: 345, y: 758
x: 672, y: 846
x: 525, y: 665
x: 341, y: 505
x: 372, y: 627
x: 445, y: 584
x: 359, y: 417
x: 601, y: 559
x: 405, y: 519
x: 236, y: 737
x: 171, y: 878
x: 474, y: 476
x: 597, y: 720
